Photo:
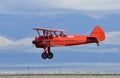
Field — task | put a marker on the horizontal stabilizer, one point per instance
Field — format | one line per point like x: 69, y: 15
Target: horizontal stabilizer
x: 92, y: 40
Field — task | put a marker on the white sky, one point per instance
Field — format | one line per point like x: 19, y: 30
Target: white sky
x: 37, y: 5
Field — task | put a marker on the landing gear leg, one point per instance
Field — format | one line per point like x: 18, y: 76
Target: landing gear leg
x: 46, y: 55
x: 98, y: 44
x: 50, y: 54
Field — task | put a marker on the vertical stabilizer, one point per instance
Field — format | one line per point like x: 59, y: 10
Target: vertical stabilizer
x: 98, y: 33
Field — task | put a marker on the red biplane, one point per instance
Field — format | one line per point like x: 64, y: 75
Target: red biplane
x: 52, y: 38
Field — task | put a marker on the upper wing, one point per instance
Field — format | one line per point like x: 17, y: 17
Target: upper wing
x: 51, y: 30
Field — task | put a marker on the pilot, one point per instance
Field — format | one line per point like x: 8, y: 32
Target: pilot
x: 62, y: 34
x: 51, y: 35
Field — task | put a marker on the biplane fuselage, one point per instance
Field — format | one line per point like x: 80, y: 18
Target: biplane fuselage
x: 51, y: 38
x: 68, y: 40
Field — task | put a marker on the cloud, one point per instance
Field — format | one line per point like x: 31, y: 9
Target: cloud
x: 100, y: 8
x: 33, y: 6
x: 89, y: 48
x: 87, y: 4
x: 4, y: 42
x: 19, y: 45
x: 112, y: 38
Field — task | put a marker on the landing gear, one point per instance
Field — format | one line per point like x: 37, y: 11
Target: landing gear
x: 98, y: 44
x: 46, y: 55
x: 50, y: 55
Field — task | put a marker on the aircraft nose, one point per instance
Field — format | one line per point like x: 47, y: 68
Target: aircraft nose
x: 34, y: 42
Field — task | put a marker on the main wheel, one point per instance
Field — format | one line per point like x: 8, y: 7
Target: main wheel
x: 50, y: 55
x: 44, y: 55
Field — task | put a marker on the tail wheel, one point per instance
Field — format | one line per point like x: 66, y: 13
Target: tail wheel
x: 44, y: 55
x: 98, y: 44
x: 50, y: 55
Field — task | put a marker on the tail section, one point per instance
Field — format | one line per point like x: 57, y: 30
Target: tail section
x: 98, y: 33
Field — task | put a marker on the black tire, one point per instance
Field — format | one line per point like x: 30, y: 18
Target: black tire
x: 50, y: 55
x: 44, y: 55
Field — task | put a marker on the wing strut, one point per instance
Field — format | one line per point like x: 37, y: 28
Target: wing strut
x: 38, y: 32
